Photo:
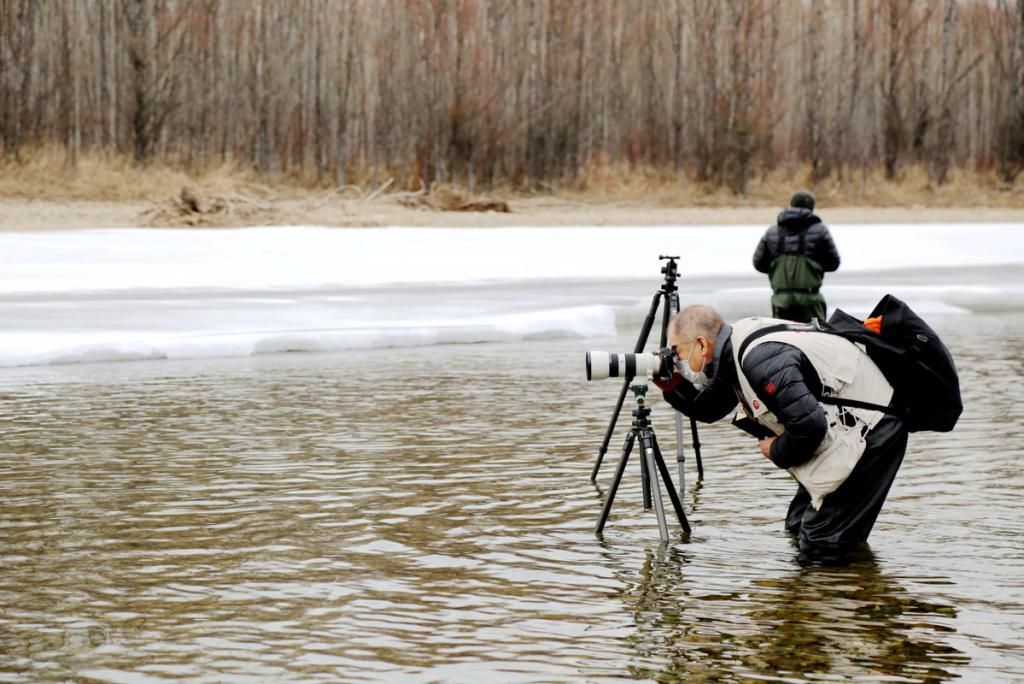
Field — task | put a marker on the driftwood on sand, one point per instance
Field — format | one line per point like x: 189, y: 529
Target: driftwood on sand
x: 347, y: 205
x: 193, y: 207
x: 448, y: 198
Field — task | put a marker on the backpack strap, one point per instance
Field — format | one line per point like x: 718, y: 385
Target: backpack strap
x: 770, y: 330
x: 814, y: 326
x: 853, y: 403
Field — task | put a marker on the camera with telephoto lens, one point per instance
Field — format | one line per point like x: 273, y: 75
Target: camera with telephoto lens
x: 602, y: 365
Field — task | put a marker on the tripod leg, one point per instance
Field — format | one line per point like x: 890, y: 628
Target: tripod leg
x: 645, y: 483
x: 641, y: 342
x: 672, y: 308
x: 696, y: 450
x: 680, y: 455
x: 676, y: 504
x: 647, y: 451
x: 610, y: 429
x: 610, y: 496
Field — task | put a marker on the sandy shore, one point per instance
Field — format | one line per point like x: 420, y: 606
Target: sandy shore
x: 30, y: 215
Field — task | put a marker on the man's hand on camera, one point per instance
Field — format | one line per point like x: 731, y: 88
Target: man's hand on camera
x: 670, y: 384
x: 766, y: 446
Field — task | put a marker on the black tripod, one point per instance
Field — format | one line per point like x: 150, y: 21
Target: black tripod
x: 652, y: 464
x: 669, y: 306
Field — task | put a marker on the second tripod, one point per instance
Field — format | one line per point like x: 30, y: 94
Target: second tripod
x: 652, y: 464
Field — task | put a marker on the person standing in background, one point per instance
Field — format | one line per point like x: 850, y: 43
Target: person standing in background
x: 796, y: 253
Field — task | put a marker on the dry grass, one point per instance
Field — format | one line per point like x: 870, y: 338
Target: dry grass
x: 619, y: 183
x: 43, y: 175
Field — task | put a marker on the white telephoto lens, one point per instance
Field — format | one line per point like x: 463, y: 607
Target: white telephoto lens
x: 602, y: 365
x: 597, y: 365
x: 647, y: 365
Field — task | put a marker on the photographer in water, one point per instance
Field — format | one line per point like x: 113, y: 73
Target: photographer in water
x: 844, y: 458
x: 796, y: 253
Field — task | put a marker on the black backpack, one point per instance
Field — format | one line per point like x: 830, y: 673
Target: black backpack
x: 926, y: 387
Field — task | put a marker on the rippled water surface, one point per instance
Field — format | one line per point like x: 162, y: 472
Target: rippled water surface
x: 427, y: 514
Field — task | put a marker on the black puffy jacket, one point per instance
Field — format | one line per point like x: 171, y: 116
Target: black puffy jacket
x: 784, y: 238
x: 794, y: 399
x: 795, y: 389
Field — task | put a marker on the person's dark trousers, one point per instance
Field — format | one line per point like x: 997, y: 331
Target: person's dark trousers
x: 848, y: 514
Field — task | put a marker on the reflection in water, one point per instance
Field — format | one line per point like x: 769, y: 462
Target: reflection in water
x: 429, y: 516
x: 852, y: 621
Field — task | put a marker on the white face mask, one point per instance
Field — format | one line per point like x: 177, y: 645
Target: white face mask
x: 696, y: 378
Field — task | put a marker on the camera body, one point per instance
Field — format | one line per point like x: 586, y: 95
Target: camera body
x: 603, y: 365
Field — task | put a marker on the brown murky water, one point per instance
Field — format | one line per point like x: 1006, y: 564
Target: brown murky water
x: 427, y: 515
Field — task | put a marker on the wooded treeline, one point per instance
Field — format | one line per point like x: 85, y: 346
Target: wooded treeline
x: 524, y: 92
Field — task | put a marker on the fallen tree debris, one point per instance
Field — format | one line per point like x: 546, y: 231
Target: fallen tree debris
x: 448, y: 198
x: 192, y: 207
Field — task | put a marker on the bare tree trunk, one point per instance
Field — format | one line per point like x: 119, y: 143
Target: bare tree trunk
x: 677, y: 30
x: 17, y: 36
x: 815, y: 104
x: 769, y: 87
x: 921, y: 112
x: 850, y: 57
x: 708, y: 152
x: 141, y: 51
x: 1010, y: 133
x: 741, y: 138
x: 893, y: 134
x: 1020, y: 58
x: 106, y: 97
x: 68, y: 88
x: 319, y: 156
x: 942, y: 147
x: 345, y: 59
x: 268, y: 154
x: 583, y: 48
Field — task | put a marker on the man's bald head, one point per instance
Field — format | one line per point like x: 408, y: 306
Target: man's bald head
x: 694, y: 321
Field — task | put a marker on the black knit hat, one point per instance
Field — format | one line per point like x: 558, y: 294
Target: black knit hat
x: 802, y: 199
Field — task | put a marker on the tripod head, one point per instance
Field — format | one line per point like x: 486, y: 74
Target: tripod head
x: 671, y: 271
x: 641, y: 411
